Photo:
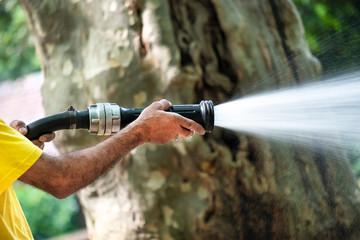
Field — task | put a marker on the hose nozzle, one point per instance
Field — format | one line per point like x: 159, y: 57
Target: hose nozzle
x: 108, y: 118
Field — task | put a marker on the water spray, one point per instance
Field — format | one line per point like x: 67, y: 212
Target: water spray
x: 109, y: 118
x: 324, y: 113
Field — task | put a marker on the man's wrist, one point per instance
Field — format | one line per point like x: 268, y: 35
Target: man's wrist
x: 138, y: 131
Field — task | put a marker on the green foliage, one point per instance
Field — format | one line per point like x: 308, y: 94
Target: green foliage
x: 46, y: 215
x: 332, y: 29
x: 353, y: 152
x: 356, y: 168
x: 17, y: 52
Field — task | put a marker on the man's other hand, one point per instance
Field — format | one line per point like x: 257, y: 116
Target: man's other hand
x: 20, y: 126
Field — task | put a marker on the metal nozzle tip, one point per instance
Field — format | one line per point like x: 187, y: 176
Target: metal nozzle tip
x: 207, y: 112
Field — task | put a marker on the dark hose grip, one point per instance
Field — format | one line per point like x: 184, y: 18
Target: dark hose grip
x: 64, y: 120
x: 202, y: 113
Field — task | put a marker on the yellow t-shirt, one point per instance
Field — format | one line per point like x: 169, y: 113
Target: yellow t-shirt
x: 17, y: 155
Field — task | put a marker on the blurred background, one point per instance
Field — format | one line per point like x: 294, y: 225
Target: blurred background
x: 328, y: 25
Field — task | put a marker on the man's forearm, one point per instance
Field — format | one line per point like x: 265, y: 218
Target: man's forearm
x: 63, y: 175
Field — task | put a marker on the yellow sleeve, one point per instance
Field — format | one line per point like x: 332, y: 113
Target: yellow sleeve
x: 17, y: 155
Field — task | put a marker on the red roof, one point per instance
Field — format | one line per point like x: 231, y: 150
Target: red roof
x: 22, y: 100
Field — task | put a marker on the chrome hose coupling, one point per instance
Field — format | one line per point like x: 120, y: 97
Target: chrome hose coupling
x: 105, y: 118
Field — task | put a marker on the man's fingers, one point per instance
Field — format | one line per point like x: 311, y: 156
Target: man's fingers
x: 190, y: 125
x: 16, y: 124
x: 19, y: 126
x: 163, y: 104
x: 23, y: 130
x: 47, y: 137
x: 38, y: 143
x: 42, y: 139
x: 186, y: 132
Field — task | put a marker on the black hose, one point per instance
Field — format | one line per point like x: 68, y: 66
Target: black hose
x: 65, y: 120
x: 105, y: 118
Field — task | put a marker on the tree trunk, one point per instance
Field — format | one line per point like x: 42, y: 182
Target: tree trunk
x: 224, y: 185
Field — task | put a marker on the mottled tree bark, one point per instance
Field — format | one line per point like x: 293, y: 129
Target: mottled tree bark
x: 224, y: 185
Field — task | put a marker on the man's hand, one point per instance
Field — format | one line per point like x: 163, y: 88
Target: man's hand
x: 20, y: 126
x: 160, y: 127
